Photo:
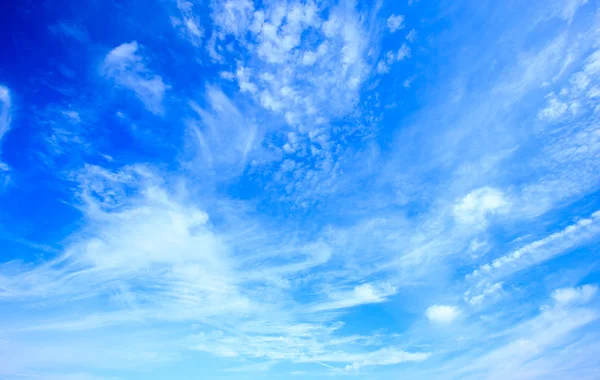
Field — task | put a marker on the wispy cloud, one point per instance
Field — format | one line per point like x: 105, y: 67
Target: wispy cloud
x: 126, y: 66
x: 188, y: 23
x: 327, y: 195
x: 5, y: 118
x: 5, y: 110
x: 161, y: 261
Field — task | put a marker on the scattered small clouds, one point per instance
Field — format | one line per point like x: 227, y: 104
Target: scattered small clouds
x: 442, y: 314
x: 395, y: 23
x: 391, y: 57
x: 127, y: 67
x: 303, y: 82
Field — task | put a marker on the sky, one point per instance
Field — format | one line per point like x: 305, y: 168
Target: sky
x: 300, y: 189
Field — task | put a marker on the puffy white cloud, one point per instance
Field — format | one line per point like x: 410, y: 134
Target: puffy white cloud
x: 478, y: 204
x: 126, y: 65
x: 581, y: 294
x: 395, y: 23
x: 442, y: 314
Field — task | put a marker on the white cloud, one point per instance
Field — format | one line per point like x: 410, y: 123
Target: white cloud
x: 305, y: 83
x: 157, y: 259
x: 5, y: 109
x: 488, y: 291
x: 383, y: 357
x: 591, y: 65
x: 5, y: 115
x: 580, y: 81
x: 478, y: 204
x: 442, y: 314
x: 403, y: 52
x: 395, y: 23
x: 188, y: 23
x: 553, y: 110
x: 225, y: 136
x: 360, y: 295
x: 539, y: 251
x: 307, y: 344
x: 383, y: 66
x: 540, y: 347
x: 570, y: 8
x: 577, y: 295
x: 227, y: 75
x: 411, y: 36
x: 74, y: 31
x: 233, y: 16
x: 126, y: 65
x: 72, y: 116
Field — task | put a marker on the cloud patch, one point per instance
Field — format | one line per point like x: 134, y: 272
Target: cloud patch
x: 395, y: 23
x: 442, y: 314
x: 127, y: 67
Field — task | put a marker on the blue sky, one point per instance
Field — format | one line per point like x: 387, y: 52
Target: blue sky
x: 239, y: 189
